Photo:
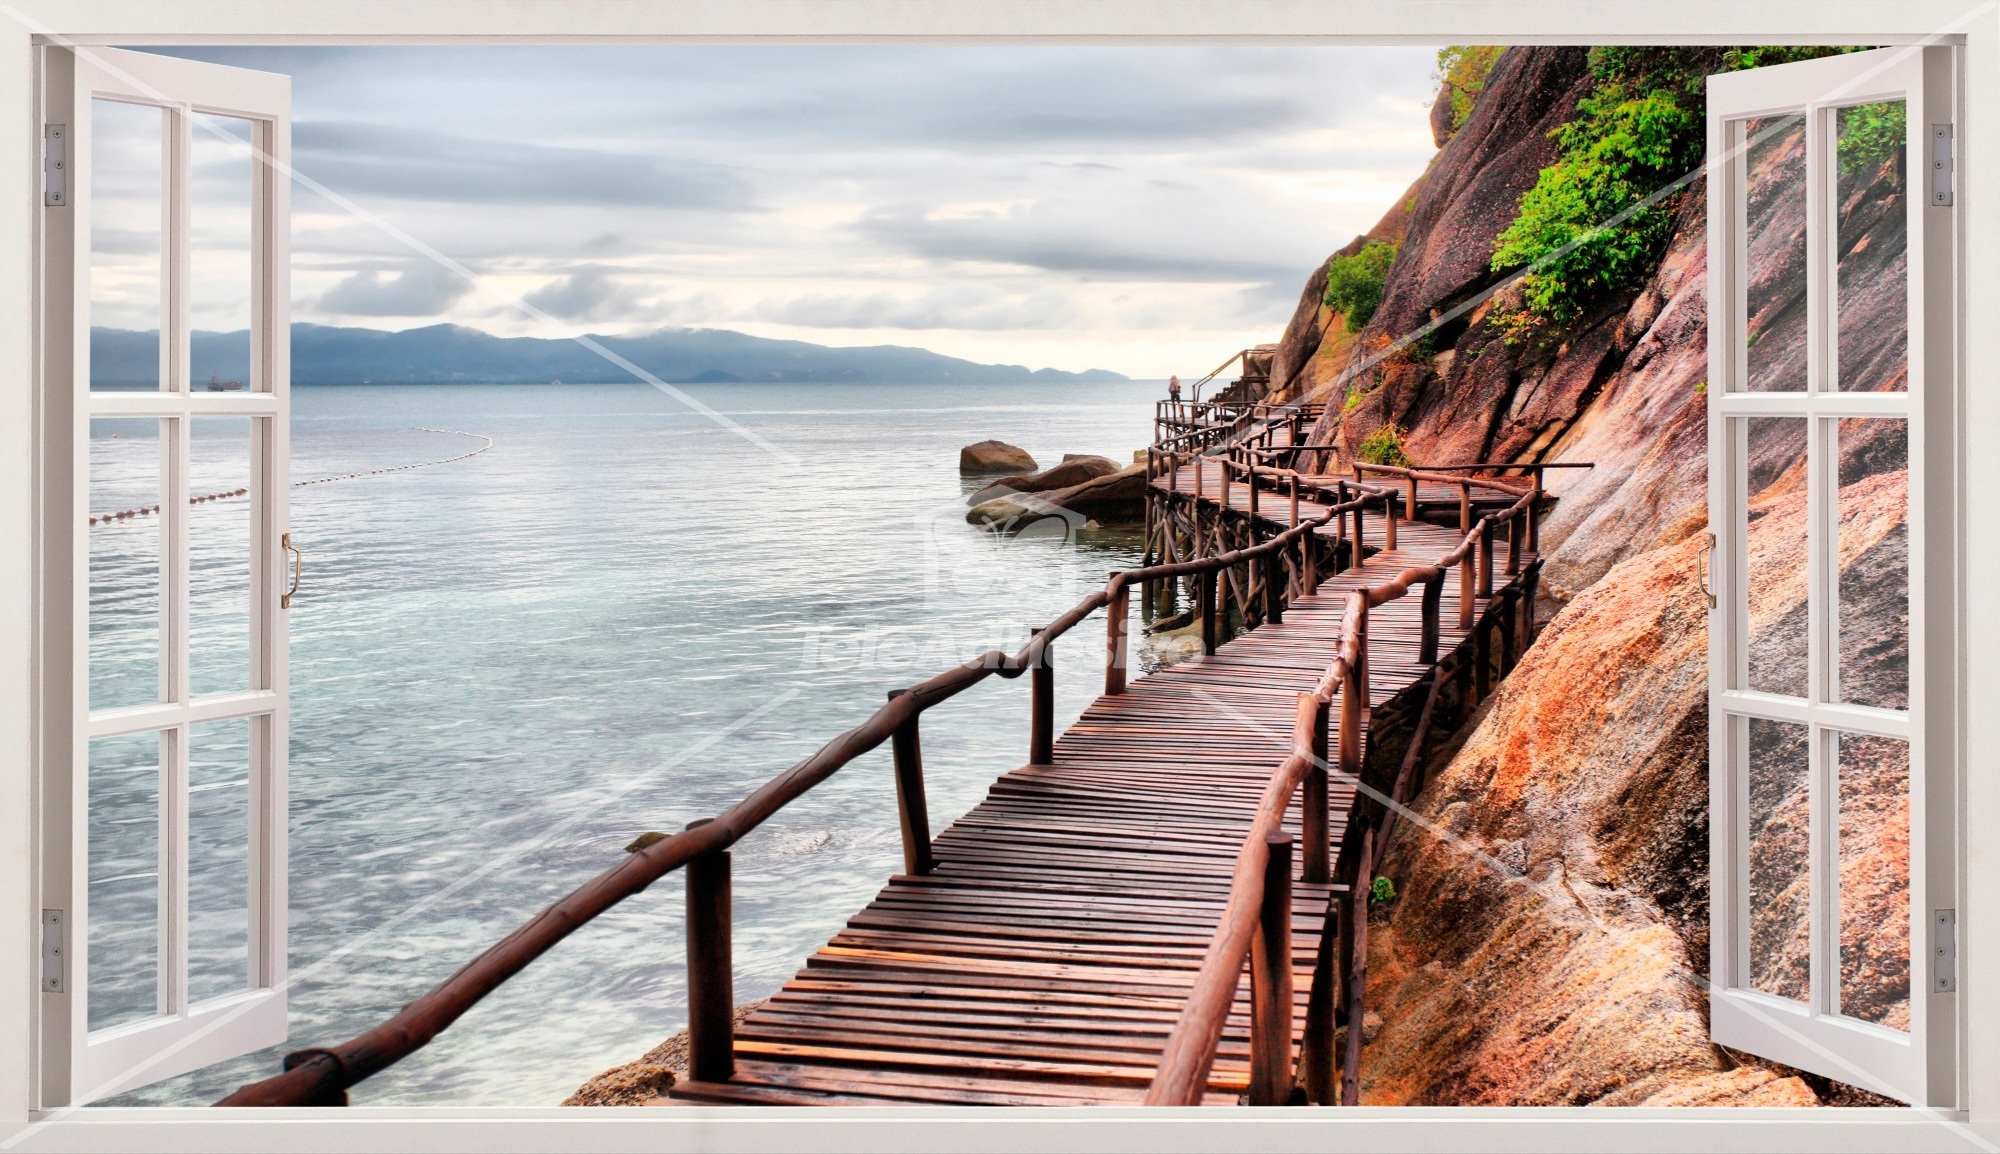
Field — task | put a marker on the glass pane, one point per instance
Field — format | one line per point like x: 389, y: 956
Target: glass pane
x: 1873, y: 274
x: 1779, y: 881
x: 219, y: 554
x: 124, y: 879
x: 218, y: 858
x: 1775, y: 553
x: 1875, y: 879
x: 1875, y: 562
x: 125, y: 551
x: 127, y: 146
x: 1775, y: 252
x: 219, y: 252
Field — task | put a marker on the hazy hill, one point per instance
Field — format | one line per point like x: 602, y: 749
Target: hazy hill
x: 443, y: 354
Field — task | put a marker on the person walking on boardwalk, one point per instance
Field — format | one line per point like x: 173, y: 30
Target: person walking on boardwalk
x: 1174, y: 388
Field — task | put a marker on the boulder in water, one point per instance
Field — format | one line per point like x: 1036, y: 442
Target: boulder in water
x: 1075, y: 470
x: 994, y: 457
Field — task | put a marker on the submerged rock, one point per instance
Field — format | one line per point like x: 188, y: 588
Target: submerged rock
x: 994, y: 457
x: 1074, y: 470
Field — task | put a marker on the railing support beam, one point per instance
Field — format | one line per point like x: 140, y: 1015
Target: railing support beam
x: 1042, y: 707
x: 711, y: 968
x: 911, y: 809
x: 1271, y: 980
x: 1117, y: 627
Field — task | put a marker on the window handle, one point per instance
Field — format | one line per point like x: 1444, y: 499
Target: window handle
x: 298, y: 560
x: 1703, y: 561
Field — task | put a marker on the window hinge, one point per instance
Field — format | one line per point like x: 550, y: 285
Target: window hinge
x: 1944, y: 952
x: 52, y: 951
x: 1941, y: 164
x: 55, y: 165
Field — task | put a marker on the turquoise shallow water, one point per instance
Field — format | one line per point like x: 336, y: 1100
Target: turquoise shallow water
x: 620, y: 618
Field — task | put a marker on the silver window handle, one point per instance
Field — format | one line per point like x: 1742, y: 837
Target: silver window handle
x: 298, y: 561
x: 1703, y: 561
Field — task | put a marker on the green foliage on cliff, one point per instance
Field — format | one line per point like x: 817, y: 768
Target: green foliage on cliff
x: 1599, y: 218
x: 1462, y: 71
x: 1384, y: 446
x: 1870, y: 134
x: 1354, y: 283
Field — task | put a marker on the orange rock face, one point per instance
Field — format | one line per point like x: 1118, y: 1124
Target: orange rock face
x: 1549, y: 942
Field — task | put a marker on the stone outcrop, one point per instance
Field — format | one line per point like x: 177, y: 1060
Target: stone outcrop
x: 1548, y: 942
x: 1562, y: 855
x: 994, y: 457
x: 1074, y: 470
x: 1113, y: 499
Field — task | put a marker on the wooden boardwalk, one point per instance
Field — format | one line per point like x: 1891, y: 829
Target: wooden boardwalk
x: 1045, y: 960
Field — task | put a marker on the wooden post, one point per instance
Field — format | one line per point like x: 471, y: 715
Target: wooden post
x: 1200, y: 471
x: 1223, y: 462
x: 1273, y: 564
x: 1389, y: 521
x: 1482, y: 659
x: 1529, y: 582
x: 1464, y: 508
x: 1206, y: 585
x: 1357, y: 972
x: 1514, y: 544
x: 910, y: 806
x: 1535, y: 516
x: 1360, y: 542
x: 1042, y: 708
x: 1353, y: 699
x: 1486, y: 557
x: 1413, y: 510
x: 1427, y: 643
x: 1271, y: 980
x: 1465, y: 594
x: 711, y: 1000
x: 1252, y: 482
x: 1316, y: 1054
x: 1312, y: 800
x: 1293, y: 523
x: 1116, y: 625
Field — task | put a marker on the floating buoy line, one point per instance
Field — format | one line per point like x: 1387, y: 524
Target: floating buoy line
x: 149, y: 510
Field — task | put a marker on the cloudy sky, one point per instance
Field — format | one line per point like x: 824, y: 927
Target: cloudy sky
x: 1148, y: 210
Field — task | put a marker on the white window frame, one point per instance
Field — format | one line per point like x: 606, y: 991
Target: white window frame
x: 1916, y: 1066
x: 79, y: 1064
x: 1969, y: 24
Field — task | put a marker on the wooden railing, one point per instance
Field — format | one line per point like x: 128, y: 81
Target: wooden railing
x: 1256, y: 921
x: 321, y: 1076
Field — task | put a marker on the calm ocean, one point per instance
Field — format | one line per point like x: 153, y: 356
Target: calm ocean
x: 620, y: 618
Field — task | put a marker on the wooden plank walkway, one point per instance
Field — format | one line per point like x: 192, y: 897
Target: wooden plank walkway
x: 1045, y: 960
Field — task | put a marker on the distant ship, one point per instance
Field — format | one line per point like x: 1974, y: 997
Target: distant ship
x: 218, y: 385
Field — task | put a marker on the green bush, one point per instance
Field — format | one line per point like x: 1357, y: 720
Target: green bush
x: 1641, y: 128
x: 1354, y: 283
x: 1870, y: 134
x: 1384, y: 446
x: 1462, y: 69
x: 1384, y: 890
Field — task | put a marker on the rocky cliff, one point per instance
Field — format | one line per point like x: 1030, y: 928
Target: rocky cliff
x: 1549, y: 941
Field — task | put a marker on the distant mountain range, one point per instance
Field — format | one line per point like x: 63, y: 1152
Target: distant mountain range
x: 448, y: 354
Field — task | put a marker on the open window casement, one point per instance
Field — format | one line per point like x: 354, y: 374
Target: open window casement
x: 1832, y: 652
x: 164, y: 209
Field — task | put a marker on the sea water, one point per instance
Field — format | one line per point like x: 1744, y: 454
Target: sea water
x: 624, y: 616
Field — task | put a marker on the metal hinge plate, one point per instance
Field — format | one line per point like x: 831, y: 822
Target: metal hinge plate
x: 1941, y: 164
x: 55, y: 165
x: 52, y: 951
x: 1944, y: 951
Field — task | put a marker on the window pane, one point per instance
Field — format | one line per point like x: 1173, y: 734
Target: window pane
x: 125, y: 530
x: 219, y: 252
x: 1874, y: 562
x: 124, y: 879
x: 1775, y: 252
x: 127, y: 146
x: 1873, y: 275
x: 1875, y: 879
x: 1776, y: 564
x: 1779, y: 881
x: 219, y: 545
x: 218, y: 858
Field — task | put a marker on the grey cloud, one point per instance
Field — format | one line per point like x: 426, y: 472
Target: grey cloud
x: 968, y: 307
x: 1020, y: 238
x: 370, y: 159
x: 588, y: 294
x: 419, y: 289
